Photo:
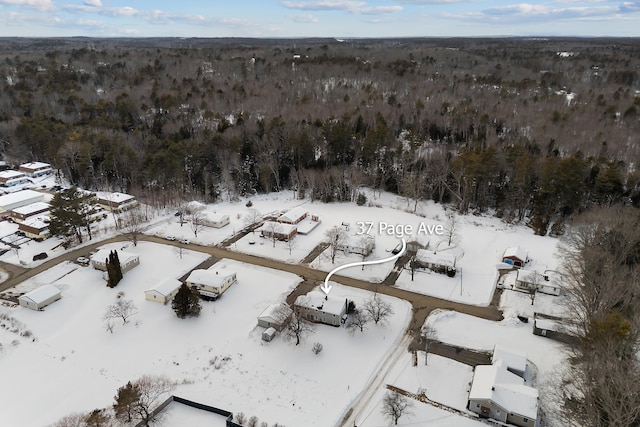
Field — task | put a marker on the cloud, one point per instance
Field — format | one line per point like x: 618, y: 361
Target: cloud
x: 527, y: 11
x: 306, y: 18
x: 34, y: 4
x: 324, y: 5
x: 351, y: 6
x: 630, y: 6
x: 378, y: 10
x: 94, y: 3
x: 432, y: 1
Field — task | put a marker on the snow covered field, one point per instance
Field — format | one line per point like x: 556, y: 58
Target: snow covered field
x: 218, y: 358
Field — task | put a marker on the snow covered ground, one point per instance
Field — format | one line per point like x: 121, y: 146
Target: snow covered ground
x: 217, y: 358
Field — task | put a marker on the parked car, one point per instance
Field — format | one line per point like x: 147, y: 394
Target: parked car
x: 185, y: 241
x: 83, y: 260
x: 41, y: 255
x: 170, y: 237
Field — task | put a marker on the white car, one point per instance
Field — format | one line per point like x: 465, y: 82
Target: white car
x: 82, y: 260
x: 185, y: 241
x: 170, y: 237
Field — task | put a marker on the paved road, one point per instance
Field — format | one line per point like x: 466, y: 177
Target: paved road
x: 422, y: 304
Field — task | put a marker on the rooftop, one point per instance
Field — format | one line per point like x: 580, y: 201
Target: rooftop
x: 293, y: 215
x: 33, y: 207
x: 166, y: 287
x: 19, y: 196
x: 207, y: 277
x: 41, y: 294
x: 440, y: 258
x: 515, y: 251
x: 35, y: 165
x: 319, y: 301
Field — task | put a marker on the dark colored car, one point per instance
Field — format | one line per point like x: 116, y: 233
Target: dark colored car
x: 41, y: 255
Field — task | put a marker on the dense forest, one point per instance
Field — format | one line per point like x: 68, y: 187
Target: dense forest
x: 529, y: 129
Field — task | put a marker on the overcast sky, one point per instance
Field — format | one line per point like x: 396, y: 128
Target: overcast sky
x: 321, y: 18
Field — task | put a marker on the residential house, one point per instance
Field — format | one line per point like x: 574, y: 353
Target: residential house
x: 11, y: 178
x: 36, y: 228
x: 440, y: 262
x: 24, y: 212
x: 164, y: 291
x: 215, y: 220
x: 210, y: 283
x: 499, y: 393
x: 515, y: 256
x: 40, y: 297
x: 272, y: 229
x: 318, y: 307
x: 9, y: 202
x: 293, y: 216
x: 530, y: 279
x: 36, y: 169
x: 359, y: 244
x: 275, y: 316
x: 116, y: 202
x: 127, y: 260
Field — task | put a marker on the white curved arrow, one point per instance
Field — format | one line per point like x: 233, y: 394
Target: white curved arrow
x: 326, y: 287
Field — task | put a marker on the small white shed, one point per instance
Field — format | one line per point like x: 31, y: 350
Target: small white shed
x: 164, y: 291
x: 268, y: 334
x: 40, y: 297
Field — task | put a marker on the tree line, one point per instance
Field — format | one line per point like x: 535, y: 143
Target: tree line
x: 507, y: 126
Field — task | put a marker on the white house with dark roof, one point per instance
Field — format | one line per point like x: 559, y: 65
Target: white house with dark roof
x: 163, y: 291
x: 318, y: 307
x: 497, y: 392
x: 211, y: 283
x: 40, y: 297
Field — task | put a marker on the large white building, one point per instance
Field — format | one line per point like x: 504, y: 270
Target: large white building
x: 40, y: 297
x: 9, y: 202
x: 498, y: 391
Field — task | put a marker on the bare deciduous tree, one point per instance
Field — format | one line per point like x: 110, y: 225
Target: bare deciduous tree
x: 377, y: 309
x: 197, y: 221
x: 297, y: 327
x: 357, y: 320
x: 252, y: 217
x: 151, y: 391
x: 134, y: 224
x: 395, y: 405
x: 122, y: 309
x: 336, y: 235
x: 451, y: 228
x: 601, y: 271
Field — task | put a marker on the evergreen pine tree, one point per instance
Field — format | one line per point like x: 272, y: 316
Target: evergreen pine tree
x: 186, y: 302
x: 126, y: 400
x: 114, y: 269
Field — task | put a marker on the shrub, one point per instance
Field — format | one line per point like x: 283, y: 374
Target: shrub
x: 361, y: 200
x: 317, y: 348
